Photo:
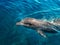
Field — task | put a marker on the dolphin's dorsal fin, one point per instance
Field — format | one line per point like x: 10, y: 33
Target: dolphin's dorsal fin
x: 41, y: 33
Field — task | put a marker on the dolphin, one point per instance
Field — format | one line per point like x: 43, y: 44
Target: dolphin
x: 40, y: 26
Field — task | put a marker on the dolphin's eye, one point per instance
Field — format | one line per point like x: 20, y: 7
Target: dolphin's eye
x: 28, y: 23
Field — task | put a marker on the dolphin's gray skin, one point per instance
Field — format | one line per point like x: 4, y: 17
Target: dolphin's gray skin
x: 39, y: 25
x: 57, y: 21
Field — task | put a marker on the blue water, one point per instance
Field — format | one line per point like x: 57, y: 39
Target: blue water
x: 12, y: 11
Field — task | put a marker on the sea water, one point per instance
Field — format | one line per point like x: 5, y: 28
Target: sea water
x: 12, y: 11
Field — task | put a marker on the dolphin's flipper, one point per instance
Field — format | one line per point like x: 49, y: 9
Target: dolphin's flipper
x: 42, y: 33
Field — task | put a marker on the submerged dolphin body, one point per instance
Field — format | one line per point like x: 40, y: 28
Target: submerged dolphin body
x: 39, y: 25
x: 57, y: 21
